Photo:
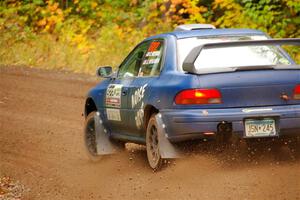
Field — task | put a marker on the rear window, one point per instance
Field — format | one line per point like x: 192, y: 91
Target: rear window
x: 231, y: 56
x: 240, y: 56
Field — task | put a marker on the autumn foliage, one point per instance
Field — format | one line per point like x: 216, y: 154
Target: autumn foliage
x: 81, y: 34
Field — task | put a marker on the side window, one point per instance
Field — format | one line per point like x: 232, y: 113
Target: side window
x: 153, y: 58
x: 132, y: 64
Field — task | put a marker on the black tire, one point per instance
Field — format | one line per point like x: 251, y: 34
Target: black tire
x: 152, y: 147
x: 90, y: 137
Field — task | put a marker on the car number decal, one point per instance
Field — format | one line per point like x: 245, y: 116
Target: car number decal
x: 113, y: 95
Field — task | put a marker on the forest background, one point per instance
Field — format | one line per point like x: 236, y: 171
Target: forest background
x: 79, y: 35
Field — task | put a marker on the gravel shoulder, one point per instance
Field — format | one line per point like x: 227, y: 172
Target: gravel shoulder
x: 41, y: 147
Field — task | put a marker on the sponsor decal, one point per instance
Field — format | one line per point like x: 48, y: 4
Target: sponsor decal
x: 113, y: 95
x: 154, y: 46
x: 137, y: 98
x: 138, y: 95
x: 113, y: 114
x: 154, y: 53
x: 151, y: 61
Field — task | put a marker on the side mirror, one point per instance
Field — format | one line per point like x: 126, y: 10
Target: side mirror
x: 104, y: 72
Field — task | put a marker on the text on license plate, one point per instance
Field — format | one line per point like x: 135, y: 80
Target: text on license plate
x: 260, y: 127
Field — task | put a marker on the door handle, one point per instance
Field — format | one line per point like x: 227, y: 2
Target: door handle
x: 124, y: 92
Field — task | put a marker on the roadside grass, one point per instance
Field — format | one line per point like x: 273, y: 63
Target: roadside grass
x: 49, y: 51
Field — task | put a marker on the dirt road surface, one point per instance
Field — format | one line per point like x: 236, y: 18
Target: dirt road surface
x: 41, y: 145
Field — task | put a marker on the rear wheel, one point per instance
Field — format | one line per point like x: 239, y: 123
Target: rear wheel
x: 90, y: 137
x: 152, y: 144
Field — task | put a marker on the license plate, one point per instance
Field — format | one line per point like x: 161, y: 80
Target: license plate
x: 260, y: 127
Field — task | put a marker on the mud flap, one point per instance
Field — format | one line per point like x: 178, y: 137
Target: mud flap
x: 104, y: 145
x: 166, y: 148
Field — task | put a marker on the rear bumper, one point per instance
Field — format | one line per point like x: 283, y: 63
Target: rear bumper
x: 186, y: 124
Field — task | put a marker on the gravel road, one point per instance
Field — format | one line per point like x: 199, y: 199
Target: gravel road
x: 41, y: 146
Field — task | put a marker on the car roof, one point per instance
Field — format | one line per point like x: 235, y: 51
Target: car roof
x: 209, y: 32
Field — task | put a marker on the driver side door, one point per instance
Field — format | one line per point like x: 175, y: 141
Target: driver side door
x: 117, y: 108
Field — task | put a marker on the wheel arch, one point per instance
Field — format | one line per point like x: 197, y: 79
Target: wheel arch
x: 148, y: 111
x: 90, y: 106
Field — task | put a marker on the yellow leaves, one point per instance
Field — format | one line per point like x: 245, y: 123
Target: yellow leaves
x: 77, y: 39
x: 99, y: 14
x: 233, y: 13
x: 152, y: 15
x: 173, y: 8
x: 54, y: 19
x: 52, y: 7
x: 79, y: 32
x: 59, y: 12
x: 226, y: 4
x: 221, y: 3
x: 42, y: 22
x: 153, y: 6
x: 193, y: 10
x: 183, y: 11
x: 94, y: 5
x: 81, y: 42
x: 203, y: 9
x: 134, y: 2
x: 176, y: 2
x: 162, y: 8
x: 75, y: 33
x: 47, y: 28
x: 49, y: 22
x: 50, y: 16
x: 119, y: 32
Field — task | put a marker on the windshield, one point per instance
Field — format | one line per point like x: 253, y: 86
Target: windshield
x: 227, y: 57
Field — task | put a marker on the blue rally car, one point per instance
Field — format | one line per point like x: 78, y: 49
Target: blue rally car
x: 196, y: 82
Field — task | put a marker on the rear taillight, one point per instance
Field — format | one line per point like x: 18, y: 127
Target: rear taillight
x: 297, y: 92
x: 198, y: 96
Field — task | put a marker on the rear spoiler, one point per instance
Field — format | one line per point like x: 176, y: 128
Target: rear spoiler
x: 188, y: 63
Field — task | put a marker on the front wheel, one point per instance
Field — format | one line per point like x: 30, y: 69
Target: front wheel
x: 90, y: 137
x: 152, y: 144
